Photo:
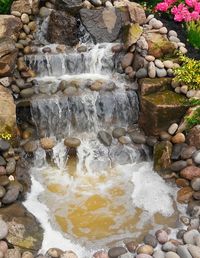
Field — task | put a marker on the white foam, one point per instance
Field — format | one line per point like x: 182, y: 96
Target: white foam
x: 151, y: 193
x: 51, y: 237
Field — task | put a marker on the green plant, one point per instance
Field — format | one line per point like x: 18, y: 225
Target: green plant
x: 5, y: 6
x: 194, y: 119
x: 188, y: 73
x: 193, y: 33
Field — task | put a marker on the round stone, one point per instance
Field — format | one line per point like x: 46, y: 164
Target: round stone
x: 25, y: 18
x: 180, y: 233
x: 173, y: 33
x: 2, y: 171
x: 187, y: 152
x: 54, y: 252
x: 13, y: 253
x: 164, y: 136
x: 195, y: 183
x: 141, y: 73
x: 30, y: 147
x: 118, y: 132
x: 116, y: 251
x: 196, y: 157
x: 4, y: 181
x: 137, y: 137
x: 181, y: 182
x: 178, y: 165
x: 169, y: 247
x: 178, y: 138
x: 44, y: 12
x: 151, y: 70
x: 150, y: 16
x: 162, y: 236
x: 142, y: 43
x: 11, y: 165
x: 159, y: 63
x: 131, y: 246
x: 168, y: 64
x: 145, y: 249
x: 190, y: 172
x: 143, y: 256
x: 150, y: 240
x: 72, y: 142
x: 174, y: 39
x: 3, y: 229
x: 150, y: 58
x: 158, y: 254
x: 27, y: 254
x: 189, y: 236
x: 4, y: 145
x: 184, y: 194
x: 127, y: 60
x: 11, y: 195
x: 3, y: 246
x: 161, y: 72
x: 163, y: 30
x: 183, y: 50
x: 27, y: 93
x: 173, y: 128
x: 68, y: 254
x: 47, y: 143
x: 156, y: 24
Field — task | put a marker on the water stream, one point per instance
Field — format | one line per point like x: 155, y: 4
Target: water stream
x: 103, y: 194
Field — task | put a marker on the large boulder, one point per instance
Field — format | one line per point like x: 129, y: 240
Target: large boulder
x: 10, y: 26
x: 62, y: 28
x: 71, y: 6
x: 193, y: 137
x: 148, y: 85
x: 7, y: 112
x: 8, y: 56
x: 24, y: 231
x: 132, y: 33
x: 24, y: 6
x: 104, y: 24
x: 158, y: 44
x: 159, y: 110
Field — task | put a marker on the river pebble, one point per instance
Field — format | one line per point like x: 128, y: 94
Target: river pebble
x: 189, y: 237
x: 3, y: 229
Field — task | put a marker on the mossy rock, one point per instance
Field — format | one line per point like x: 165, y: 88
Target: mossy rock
x: 132, y: 33
x: 149, y: 85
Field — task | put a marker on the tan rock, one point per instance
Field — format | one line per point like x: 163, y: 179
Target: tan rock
x: 10, y: 26
x: 162, y: 156
x: 22, y: 6
x: 184, y: 194
x: 72, y: 142
x: 132, y: 34
x: 137, y: 13
x: 47, y: 143
x: 193, y: 137
x: 178, y: 138
x: 145, y: 249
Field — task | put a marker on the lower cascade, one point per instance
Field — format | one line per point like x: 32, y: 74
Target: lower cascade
x: 95, y: 187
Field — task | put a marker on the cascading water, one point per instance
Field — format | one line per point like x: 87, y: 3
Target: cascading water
x: 104, y: 194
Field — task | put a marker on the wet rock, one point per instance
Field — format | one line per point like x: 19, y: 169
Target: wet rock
x: 180, y: 233
x: 193, y: 137
x: 11, y: 195
x: 2, y: 171
x: 100, y: 254
x: 186, y: 153
x: 178, y: 165
x: 62, y: 28
x: 177, y: 149
x: 104, y: 24
x: 194, y: 251
x: 118, y: 132
x: 137, y: 137
x: 183, y: 252
x: 150, y: 240
x: 190, y: 172
x: 133, y: 33
x: 181, y: 182
x: 10, y: 167
x: 184, y: 194
x: 27, y: 93
x: 195, y: 183
x: 131, y: 246
x: 72, y: 142
x: 196, y: 195
x: 96, y: 86
x: 141, y: 73
x: 143, y: 256
x: 145, y: 249
x: 13, y: 253
x: 178, y: 138
x: 189, y: 237
x: 3, y: 229
x: 116, y: 251
x: 162, y: 236
x: 30, y: 147
x: 127, y: 60
x: 162, y: 156
x: 172, y: 255
x: 47, y: 143
x: 158, y: 254
x: 151, y: 141
x: 44, y: 12
x: 71, y: 6
x: 105, y: 138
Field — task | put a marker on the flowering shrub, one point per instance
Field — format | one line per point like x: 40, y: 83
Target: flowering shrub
x: 188, y: 10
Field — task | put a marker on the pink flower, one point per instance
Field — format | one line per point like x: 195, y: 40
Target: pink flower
x: 163, y: 7
x: 195, y: 15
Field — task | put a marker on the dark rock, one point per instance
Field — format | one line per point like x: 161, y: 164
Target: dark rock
x: 137, y: 137
x: 178, y: 165
x: 27, y: 93
x: 162, y: 156
x: 72, y: 142
x: 2, y: 161
x: 71, y: 6
x: 177, y: 149
x: 151, y: 141
x: 159, y: 110
x: 131, y: 246
x: 150, y: 240
x: 4, y: 181
x: 4, y: 145
x: 62, y: 29
x: 149, y: 86
x: 11, y: 195
x: 105, y: 138
x: 165, y: 136
x: 2, y: 191
x: 30, y: 147
x: 127, y: 60
x: 116, y: 252
x: 180, y: 233
x: 103, y: 24
x: 118, y: 132
x: 186, y: 153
